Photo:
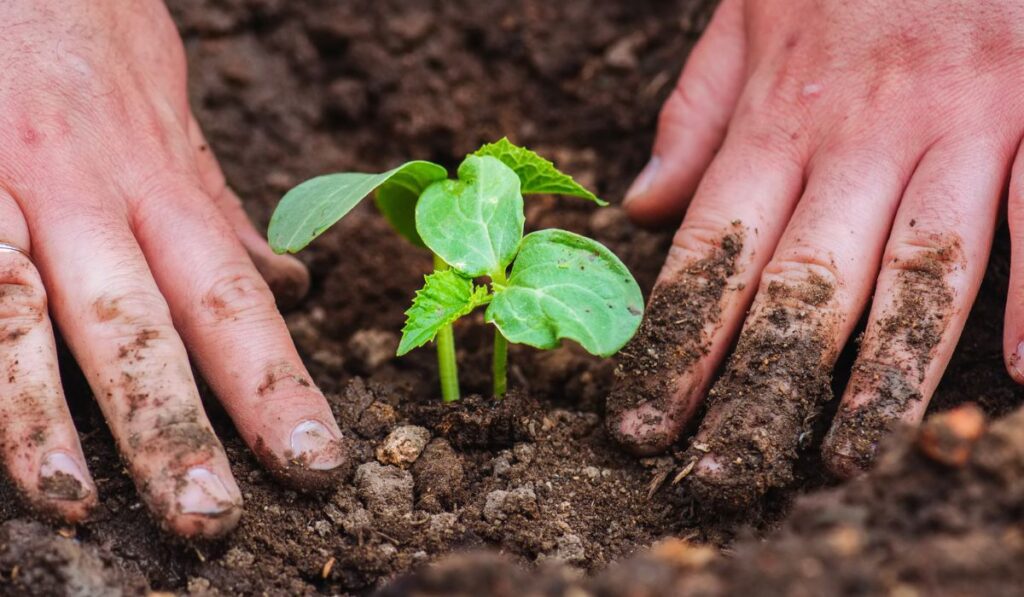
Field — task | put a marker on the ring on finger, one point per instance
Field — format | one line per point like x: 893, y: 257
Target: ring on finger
x: 14, y: 249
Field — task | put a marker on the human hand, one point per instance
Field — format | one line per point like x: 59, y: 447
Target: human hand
x: 139, y: 251
x: 833, y: 150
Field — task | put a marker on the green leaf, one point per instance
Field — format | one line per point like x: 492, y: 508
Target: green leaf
x: 564, y: 285
x: 309, y: 209
x: 396, y: 199
x: 475, y: 223
x: 536, y: 174
x: 444, y: 298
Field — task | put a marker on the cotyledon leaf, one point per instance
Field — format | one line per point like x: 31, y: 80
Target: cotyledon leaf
x: 445, y: 297
x: 474, y: 223
x: 564, y: 285
x: 536, y: 174
x: 396, y: 199
x: 309, y: 209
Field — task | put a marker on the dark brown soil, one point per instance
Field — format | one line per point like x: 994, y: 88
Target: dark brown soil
x: 910, y: 527
x: 288, y: 89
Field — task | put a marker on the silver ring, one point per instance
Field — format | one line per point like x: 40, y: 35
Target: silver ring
x: 14, y: 249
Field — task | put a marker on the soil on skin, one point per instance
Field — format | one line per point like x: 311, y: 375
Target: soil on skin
x: 289, y: 89
x: 776, y: 382
x: 907, y: 336
x: 673, y: 336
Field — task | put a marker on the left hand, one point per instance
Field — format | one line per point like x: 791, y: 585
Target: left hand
x: 833, y: 150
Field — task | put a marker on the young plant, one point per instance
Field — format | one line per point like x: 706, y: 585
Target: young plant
x: 561, y: 285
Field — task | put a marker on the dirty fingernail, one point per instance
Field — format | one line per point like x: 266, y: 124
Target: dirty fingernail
x: 204, y: 493
x: 315, y: 446
x: 644, y: 180
x: 61, y: 477
x: 1017, y: 362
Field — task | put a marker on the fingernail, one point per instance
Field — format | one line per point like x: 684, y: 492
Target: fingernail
x: 1017, y: 362
x: 315, y: 446
x: 61, y: 478
x: 204, y: 493
x: 644, y: 180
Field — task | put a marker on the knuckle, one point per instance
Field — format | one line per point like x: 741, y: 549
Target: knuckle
x: 923, y: 251
x: 698, y: 238
x: 128, y: 313
x: 802, y: 277
x: 237, y: 294
x: 23, y: 301
x: 179, y: 435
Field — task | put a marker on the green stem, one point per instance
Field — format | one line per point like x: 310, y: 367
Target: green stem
x: 499, y: 365
x: 447, y: 367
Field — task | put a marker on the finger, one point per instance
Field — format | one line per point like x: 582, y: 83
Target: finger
x: 693, y: 121
x: 810, y: 297
x: 708, y: 280
x: 239, y: 340
x: 287, y: 276
x: 120, y: 331
x: 39, y: 444
x: 1013, y: 331
x: 931, y: 272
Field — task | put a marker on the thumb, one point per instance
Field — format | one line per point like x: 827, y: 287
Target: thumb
x: 693, y: 121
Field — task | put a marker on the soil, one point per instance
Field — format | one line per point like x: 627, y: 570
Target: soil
x: 289, y: 89
x: 912, y: 526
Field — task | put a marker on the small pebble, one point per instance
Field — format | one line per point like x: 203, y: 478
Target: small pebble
x: 403, y: 445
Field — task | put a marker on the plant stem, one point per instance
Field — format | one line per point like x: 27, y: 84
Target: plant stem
x: 447, y: 367
x: 499, y: 364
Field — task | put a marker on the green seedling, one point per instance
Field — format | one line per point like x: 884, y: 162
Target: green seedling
x: 561, y: 285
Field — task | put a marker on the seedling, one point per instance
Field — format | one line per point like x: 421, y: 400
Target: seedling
x: 561, y: 285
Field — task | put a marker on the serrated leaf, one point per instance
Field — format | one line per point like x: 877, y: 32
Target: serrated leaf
x: 396, y: 199
x: 564, y: 285
x: 536, y: 174
x: 474, y: 223
x: 445, y: 297
x: 311, y: 208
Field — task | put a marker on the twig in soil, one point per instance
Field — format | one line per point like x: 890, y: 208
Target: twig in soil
x: 686, y: 471
x: 656, y: 482
x: 385, y: 536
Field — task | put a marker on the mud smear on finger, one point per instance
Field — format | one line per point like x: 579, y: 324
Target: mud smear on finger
x: 671, y: 340
x: 763, y: 408
x: 896, y: 354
